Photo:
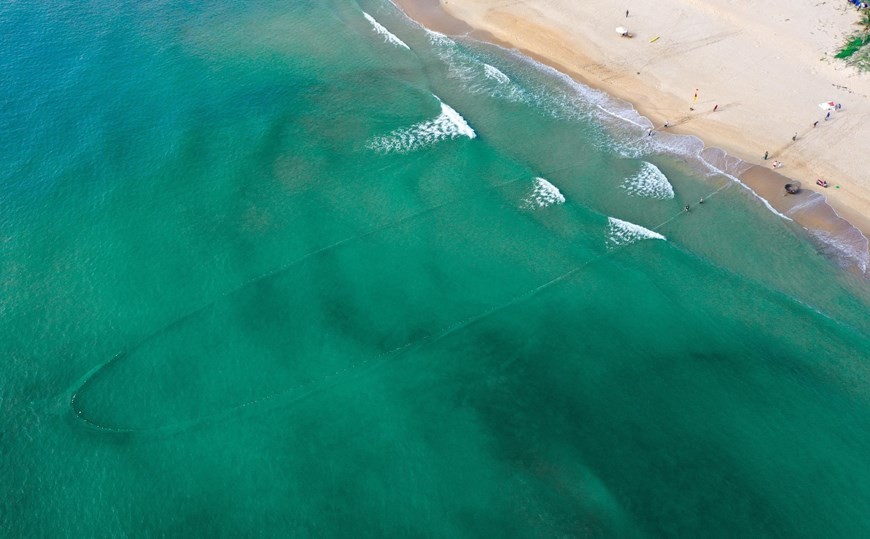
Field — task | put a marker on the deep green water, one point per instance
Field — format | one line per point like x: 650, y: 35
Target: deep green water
x: 256, y: 281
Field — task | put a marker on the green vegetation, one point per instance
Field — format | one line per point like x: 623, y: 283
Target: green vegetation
x: 856, y: 43
x: 861, y: 59
x: 852, y: 46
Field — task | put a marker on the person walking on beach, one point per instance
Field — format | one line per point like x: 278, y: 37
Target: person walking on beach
x: 828, y: 116
x: 667, y: 124
x: 794, y: 137
x: 715, y: 108
x: 695, y: 98
x: 765, y: 156
x: 815, y: 123
x: 626, y: 13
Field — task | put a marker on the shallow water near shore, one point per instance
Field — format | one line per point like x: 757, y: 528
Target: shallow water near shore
x: 308, y: 269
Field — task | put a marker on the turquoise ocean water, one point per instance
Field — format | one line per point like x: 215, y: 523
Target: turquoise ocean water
x: 285, y: 269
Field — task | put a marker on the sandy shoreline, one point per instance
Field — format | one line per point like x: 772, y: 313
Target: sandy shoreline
x: 766, y: 67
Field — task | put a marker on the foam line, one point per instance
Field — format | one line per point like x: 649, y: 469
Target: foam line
x: 544, y: 194
x: 447, y: 125
x: 649, y: 182
x: 495, y: 74
x: 437, y: 38
x: 711, y: 159
x: 812, y: 200
x: 389, y: 37
x: 691, y: 147
x: 624, y: 233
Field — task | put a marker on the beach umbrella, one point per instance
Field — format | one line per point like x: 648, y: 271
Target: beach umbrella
x: 620, y: 30
x: 827, y: 105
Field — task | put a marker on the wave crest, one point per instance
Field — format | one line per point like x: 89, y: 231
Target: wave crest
x: 437, y: 38
x: 621, y: 233
x: 389, y: 37
x: 495, y: 74
x: 448, y: 125
x: 649, y: 182
x: 543, y: 195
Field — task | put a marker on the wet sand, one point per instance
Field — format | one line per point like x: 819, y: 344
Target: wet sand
x: 835, y: 236
x: 773, y: 98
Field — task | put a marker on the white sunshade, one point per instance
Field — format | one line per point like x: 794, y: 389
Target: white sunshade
x: 827, y: 105
x: 621, y: 30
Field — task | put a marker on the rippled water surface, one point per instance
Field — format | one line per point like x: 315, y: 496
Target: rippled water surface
x: 306, y: 269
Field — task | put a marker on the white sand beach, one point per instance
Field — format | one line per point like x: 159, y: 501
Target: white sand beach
x: 767, y: 65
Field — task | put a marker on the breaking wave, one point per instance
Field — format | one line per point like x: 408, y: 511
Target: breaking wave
x: 474, y: 69
x: 649, y: 182
x: 495, y: 74
x: 389, y: 37
x: 448, y: 125
x: 543, y: 195
x: 621, y: 233
x: 625, y: 129
x: 437, y: 38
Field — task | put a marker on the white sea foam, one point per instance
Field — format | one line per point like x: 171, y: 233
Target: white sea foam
x: 389, y: 37
x: 718, y: 161
x: 461, y: 65
x: 447, y: 125
x: 649, y: 182
x: 630, y: 138
x: 570, y: 100
x: 543, y: 194
x: 842, y: 241
x: 763, y: 200
x: 849, y: 248
x: 813, y: 200
x: 437, y: 38
x: 495, y: 74
x: 628, y: 128
x: 473, y: 68
x: 621, y: 232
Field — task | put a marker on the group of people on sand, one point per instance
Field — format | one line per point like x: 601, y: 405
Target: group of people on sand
x: 778, y: 164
